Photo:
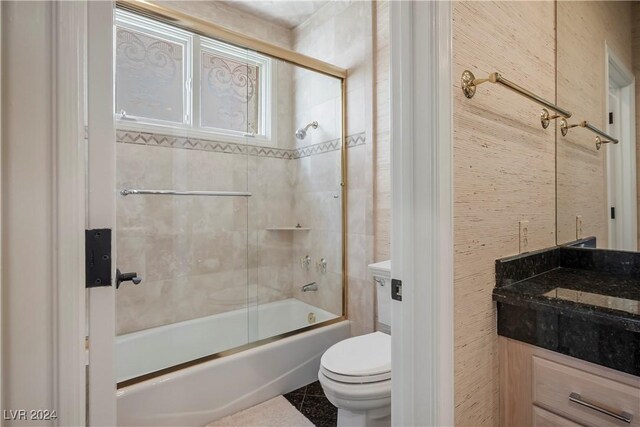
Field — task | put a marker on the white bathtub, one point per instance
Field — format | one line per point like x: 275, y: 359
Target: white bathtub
x: 196, y: 395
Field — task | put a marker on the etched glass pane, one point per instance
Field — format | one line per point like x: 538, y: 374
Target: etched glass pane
x: 149, y: 76
x: 230, y: 94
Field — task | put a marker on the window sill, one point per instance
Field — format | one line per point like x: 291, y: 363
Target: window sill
x: 185, y: 132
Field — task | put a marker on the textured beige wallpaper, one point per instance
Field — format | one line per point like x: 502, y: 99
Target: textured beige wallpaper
x: 504, y: 162
x: 583, y: 29
x: 504, y: 172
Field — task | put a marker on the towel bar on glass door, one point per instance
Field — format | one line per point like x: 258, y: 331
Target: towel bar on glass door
x: 128, y: 191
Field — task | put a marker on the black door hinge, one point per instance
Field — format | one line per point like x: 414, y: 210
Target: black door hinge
x: 97, y: 249
x: 396, y: 289
x: 611, y: 118
x: 613, y: 212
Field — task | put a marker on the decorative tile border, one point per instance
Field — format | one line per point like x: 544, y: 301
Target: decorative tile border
x: 160, y: 140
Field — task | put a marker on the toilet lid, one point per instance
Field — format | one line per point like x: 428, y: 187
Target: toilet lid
x: 362, y: 356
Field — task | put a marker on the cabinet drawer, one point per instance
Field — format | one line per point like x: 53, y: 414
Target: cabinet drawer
x: 543, y: 418
x: 554, y: 383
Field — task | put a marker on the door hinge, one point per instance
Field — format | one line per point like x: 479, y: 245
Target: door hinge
x: 396, y: 289
x: 613, y: 212
x: 97, y: 250
x: 611, y: 117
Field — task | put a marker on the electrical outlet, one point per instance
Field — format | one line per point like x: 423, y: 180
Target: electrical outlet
x: 578, y: 227
x: 524, y: 236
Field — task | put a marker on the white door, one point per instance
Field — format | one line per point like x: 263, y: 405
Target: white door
x: 101, y: 377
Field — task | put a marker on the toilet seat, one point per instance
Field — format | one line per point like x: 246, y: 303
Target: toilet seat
x: 359, y: 360
x: 355, y: 379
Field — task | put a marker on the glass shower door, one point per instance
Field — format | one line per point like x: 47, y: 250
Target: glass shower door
x: 183, y: 200
x: 295, y: 214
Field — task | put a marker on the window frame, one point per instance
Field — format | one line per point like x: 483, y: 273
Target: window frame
x: 151, y: 28
x: 195, y: 46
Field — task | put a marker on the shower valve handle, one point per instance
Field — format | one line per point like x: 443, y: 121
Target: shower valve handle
x: 127, y: 277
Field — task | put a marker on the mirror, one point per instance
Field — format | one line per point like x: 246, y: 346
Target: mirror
x: 598, y: 57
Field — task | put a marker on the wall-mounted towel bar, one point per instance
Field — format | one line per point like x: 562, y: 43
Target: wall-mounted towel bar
x: 469, y: 84
x: 128, y: 191
x: 564, y: 128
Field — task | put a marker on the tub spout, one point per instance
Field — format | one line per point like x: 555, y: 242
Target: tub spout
x: 313, y: 286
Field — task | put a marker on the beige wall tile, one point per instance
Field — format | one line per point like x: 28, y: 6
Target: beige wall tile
x: 340, y: 33
x: 381, y: 116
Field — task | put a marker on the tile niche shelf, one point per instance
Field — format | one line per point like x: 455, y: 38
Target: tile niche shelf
x: 294, y: 228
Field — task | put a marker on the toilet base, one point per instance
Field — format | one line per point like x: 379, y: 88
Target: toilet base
x: 348, y: 418
x: 359, y: 405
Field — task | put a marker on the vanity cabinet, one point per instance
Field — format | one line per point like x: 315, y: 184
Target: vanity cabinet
x: 542, y: 388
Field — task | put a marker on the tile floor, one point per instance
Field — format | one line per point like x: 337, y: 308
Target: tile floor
x: 312, y: 403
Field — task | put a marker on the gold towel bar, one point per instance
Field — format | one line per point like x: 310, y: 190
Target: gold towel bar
x: 564, y: 128
x: 469, y: 83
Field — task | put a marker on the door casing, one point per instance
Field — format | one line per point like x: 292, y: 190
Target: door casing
x: 621, y: 157
x: 422, y: 239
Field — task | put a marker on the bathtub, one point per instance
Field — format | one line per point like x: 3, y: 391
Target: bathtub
x: 201, y: 393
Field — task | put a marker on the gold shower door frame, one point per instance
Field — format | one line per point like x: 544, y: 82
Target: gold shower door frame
x: 204, y: 28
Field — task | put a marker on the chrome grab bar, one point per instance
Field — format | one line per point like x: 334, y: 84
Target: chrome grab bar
x: 624, y: 416
x: 129, y: 191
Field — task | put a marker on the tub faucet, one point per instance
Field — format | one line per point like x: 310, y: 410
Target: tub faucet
x: 313, y: 286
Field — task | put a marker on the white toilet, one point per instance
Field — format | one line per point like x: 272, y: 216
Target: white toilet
x: 356, y: 373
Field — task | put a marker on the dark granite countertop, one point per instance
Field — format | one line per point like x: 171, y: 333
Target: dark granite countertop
x: 581, y: 302
x: 610, y: 298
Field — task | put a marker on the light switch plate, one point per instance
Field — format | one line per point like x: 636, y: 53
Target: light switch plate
x: 524, y: 236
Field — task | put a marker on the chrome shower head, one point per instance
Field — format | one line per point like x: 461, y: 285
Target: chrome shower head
x: 302, y: 132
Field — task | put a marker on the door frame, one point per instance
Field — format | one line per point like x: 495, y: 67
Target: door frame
x: 82, y: 111
x: 626, y: 224
x: 101, y: 205
x: 68, y: 77
x: 422, y: 182
x: 422, y: 214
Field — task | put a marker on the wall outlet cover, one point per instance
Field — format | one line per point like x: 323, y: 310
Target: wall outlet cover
x: 578, y: 227
x: 524, y: 236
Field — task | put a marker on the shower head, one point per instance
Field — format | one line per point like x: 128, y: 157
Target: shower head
x: 302, y: 132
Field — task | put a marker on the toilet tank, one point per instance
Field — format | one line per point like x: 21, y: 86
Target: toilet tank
x: 381, y: 273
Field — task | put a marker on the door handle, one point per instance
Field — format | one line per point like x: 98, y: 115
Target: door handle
x: 127, y: 277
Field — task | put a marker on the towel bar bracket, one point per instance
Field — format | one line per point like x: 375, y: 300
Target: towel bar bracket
x: 469, y: 83
x: 545, y: 118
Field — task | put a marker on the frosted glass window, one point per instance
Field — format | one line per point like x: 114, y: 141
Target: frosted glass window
x: 230, y: 94
x: 150, y: 77
x: 170, y: 77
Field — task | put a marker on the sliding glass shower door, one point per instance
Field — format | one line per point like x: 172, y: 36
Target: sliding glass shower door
x: 186, y: 109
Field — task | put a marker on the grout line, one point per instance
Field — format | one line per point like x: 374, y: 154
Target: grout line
x: 302, y: 402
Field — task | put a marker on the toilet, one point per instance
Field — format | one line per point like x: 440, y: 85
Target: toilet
x: 355, y: 374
